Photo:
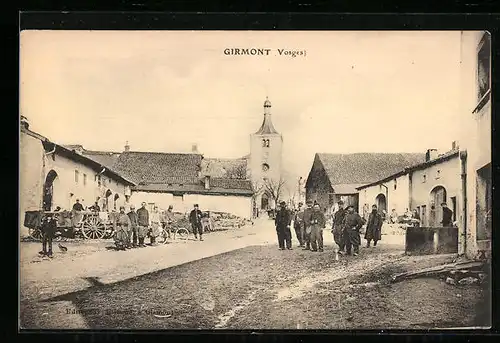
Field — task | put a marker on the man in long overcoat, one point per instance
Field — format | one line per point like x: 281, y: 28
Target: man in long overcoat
x: 373, y: 227
x: 352, y: 224
x: 142, y: 224
x: 282, y: 222
x: 195, y: 220
x: 338, y: 229
x: 298, y: 224
x: 133, y: 225
x: 318, y: 223
x: 122, y: 226
x: 307, y: 224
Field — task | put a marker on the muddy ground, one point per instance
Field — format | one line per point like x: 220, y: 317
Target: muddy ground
x: 260, y: 287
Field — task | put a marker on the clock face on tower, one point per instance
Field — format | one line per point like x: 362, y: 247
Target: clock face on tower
x: 265, y: 167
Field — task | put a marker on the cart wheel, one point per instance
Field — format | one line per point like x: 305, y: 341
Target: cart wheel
x: 36, y: 234
x: 162, y: 237
x: 93, y: 228
x: 182, y: 232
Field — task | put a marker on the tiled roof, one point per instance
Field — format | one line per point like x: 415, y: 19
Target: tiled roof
x: 106, y: 158
x: 155, y: 167
x: 362, y: 168
x: 217, y: 186
x: 418, y: 166
x: 346, y: 188
x: 217, y: 167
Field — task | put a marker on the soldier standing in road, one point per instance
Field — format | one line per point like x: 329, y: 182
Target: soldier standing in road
x: 282, y: 222
x: 122, y: 227
x: 373, y: 227
x: 195, y: 220
x: 352, y: 224
x: 318, y: 223
x: 155, y: 225
x: 307, y: 224
x: 133, y: 225
x: 49, y: 228
x: 169, y: 219
x: 298, y: 224
x: 143, y: 223
x: 338, y: 229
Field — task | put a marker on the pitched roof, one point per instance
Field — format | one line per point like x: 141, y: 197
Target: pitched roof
x: 219, y: 168
x: 362, y: 168
x: 349, y: 188
x: 106, y: 158
x: 157, y: 167
x: 218, y: 186
x: 418, y: 166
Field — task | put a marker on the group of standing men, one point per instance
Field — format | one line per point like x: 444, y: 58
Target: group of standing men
x: 310, y: 222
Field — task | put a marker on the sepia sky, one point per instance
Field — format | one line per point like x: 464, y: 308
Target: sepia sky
x: 162, y: 91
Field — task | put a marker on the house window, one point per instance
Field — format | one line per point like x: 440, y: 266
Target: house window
x: 395, y: 184
x: 483, y: 66
x: 424, y: 178
x: 98, y: 180
x: 84, y: 179
x: 76, y: 176
x: 438, y: 174
x: 104, y: 181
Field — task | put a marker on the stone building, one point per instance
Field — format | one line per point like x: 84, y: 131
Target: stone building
x: 423, y: 186
x: 475, y: 142
x: 335, y: 177
x: 52, y: 175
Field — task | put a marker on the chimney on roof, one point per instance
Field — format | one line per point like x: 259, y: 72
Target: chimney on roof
x: 24, y: 122
x: 194, y: 148
x: 207, y: 182
x: 431, y: 154
x: 127, y: 147
x: 454, y: 145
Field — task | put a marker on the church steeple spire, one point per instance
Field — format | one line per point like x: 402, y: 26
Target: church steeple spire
x: 267, y: 125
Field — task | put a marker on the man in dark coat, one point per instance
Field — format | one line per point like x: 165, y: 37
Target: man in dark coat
x: 373, y: 227
x: 133, y: 225
x: 282, y: 221
x: 338, y: 229
x: 142, y: 224
x: 195, y: 220
x: 298, y: 225
x: 352, y: 224
x: 48, y: 228
x: 318, y: 223
x: 78, y: 206
x: 307, y: 224
x: 447, y: 215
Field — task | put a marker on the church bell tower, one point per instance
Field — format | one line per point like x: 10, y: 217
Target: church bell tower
x: 265, y: 158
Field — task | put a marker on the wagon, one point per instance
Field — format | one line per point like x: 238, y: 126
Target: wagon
x: 70, y: 224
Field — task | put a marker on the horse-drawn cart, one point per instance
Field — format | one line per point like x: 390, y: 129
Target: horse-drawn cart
x: 71, y: 224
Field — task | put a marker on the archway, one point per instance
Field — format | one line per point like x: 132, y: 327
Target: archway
x: 264, y: 201
x: 48, y: 190
x: 437, y: 197
x: 381, y: 202
x: 106, y: 201
x: 115, y: 200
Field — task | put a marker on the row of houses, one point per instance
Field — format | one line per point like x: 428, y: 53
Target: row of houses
x: 461, y: 177
x: 54, y: 175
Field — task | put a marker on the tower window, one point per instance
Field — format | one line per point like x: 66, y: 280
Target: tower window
x: 265, y: 143
x: 483, y: 66
x: 265, y: 167
x: 395, y: 184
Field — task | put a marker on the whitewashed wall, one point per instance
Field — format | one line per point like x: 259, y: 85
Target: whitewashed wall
x: 237, y: 205
x: 395, y: 198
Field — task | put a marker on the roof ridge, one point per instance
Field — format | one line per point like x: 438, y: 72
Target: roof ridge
x: 161, y: 153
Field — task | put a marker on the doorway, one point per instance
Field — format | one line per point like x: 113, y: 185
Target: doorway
x: 454, y: 207
x: 264, y: 202
x: 106, y: 201
x: 483, y: 203
x: 438, y: 196
x: 381, y: 202
x: 48, y: 190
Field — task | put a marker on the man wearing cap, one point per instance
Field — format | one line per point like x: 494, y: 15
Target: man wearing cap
x: 373, y: 227
x: 338, y: 230
x: 195, y: 220
x: 142, y: 224
x: 298, y: 224
x: 132, y: 215
x: 447, y: 215
x: 318, y: 223
x: 122, y: 226
x: 78, y: 206
x: 282, y: 222
x: 169, y: 219
x: 307, y: 224
x: 352, y: 224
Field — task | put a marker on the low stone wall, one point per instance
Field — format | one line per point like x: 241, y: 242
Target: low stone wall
x: 431, y: 240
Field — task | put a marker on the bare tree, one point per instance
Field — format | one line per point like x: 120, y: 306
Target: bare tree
x: 237, y: 172
x: 274, y: 188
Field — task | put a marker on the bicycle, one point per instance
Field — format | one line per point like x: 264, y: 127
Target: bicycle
x: 172, y: 233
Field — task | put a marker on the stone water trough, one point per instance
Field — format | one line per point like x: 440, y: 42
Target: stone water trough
x: 431, y: 240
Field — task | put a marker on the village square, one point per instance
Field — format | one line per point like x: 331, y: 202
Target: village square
x: 170, y: 239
